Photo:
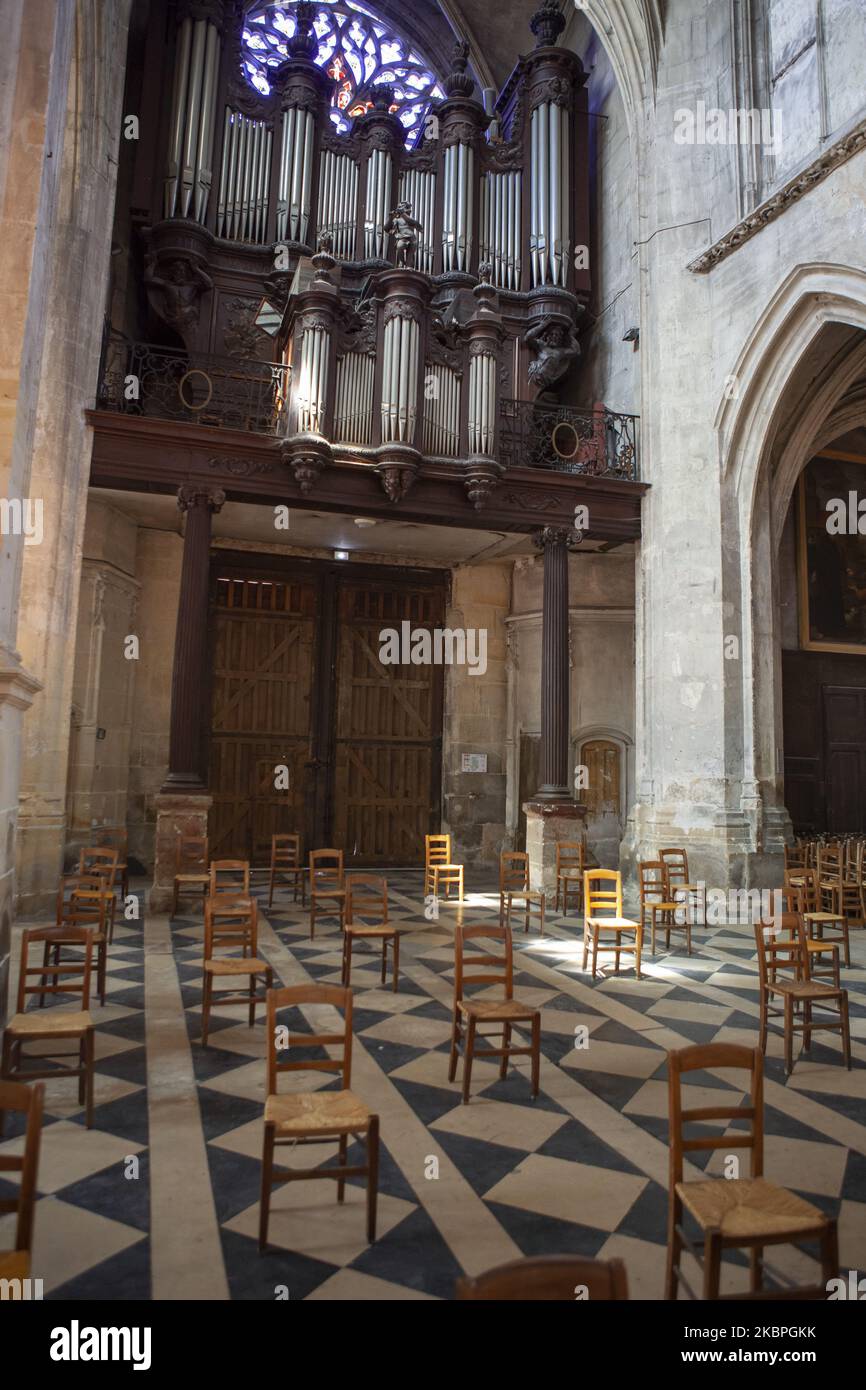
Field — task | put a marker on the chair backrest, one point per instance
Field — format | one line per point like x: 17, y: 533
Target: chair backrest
x: 366, y: 897
x: 607, y: 896
x: 780, y: 947
x: 280, y: 1041
x: 224, y: 877
x: 707, y: 1057
x: 326, y: 869
x: 653, y: 881
x: 437, y: 849
x: 70, y: 976
x: 570, y: 854
x: 97, y: 859
x: 29, y: 1101
x: 191, y: 853
x: 230, y: 921
x: 286, y: 851
x: 513, y: 870
x: 795, y: 856
x: 551, y: 1278
x: 69, y: 885
x: 87, y: 907
x: 676, y: 862
x: 830, y: 857
x: 486, y: 968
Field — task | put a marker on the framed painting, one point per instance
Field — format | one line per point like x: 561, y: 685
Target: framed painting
x: 831, y: 554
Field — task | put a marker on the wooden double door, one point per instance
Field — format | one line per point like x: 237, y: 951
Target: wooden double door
x: 309, y: 731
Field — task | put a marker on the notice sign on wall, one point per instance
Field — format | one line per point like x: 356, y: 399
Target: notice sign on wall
x: 474, y: 762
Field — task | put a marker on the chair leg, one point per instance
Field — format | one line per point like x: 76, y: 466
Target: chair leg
x: 396, y: 960
x: 638, y: 950
x: 384, y: 957
x: 90, y: 1063
x: 807, y: 1026
x: 829, y: 1247
x: 675, y: 1247
x: 461, y: 883
x: 347, y: 959
x: 712, y: 1263
x: 536, y: 1053
x: 506, y: 1042
x: 594, y: 951
x: 342, y: 1146
x: 252, y: 1004
x: 468, y: 1052
x: 652, y: 933
x: 207, y: 985
x: 846, y: 1030
x: 789, y: 1034
x: 372, y: 1176
x: 101, y: 964
x: 585, y: 945
x: 265, y: 1195
x: 271, y: 892
x: 82, y: 1072
x: 762, y: 1025
x: 455, y: 1044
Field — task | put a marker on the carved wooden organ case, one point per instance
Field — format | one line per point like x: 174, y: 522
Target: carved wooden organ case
x: 395, y: 340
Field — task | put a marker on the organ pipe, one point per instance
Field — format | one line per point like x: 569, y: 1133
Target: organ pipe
x: 482, y: 403
x: 400, y: 380
x: 500, y: 227
x: 418, y: 187
x: 442, y: 412
x: 295, y: 175
x: 354, y: 398
x: 378, y: 206
x: 313, y: 380
x: 338, y: 201
x: 458, y: 203
x: 242, y: 205
x: 550, y: 229
x: 190, y: 156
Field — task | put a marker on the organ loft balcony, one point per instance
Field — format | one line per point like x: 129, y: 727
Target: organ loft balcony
x: 366, y: 294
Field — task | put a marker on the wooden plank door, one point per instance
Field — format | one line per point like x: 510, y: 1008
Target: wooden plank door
x: 262, y: 711
x: 845, y: 758
x: 388, y: 726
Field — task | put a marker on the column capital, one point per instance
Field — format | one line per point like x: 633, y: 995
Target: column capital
x: 556, y: 535
x: 194, y: 495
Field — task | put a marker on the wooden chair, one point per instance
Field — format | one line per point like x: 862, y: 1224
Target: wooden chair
x: 230, y: 923
x: 56, y: 1024
x: 327, y: 885
x: 514, y: 884
x: 830, y: 875
x: 102, y: 861
x: 797, y: 988
x: 570, y: 866
x: 804, y: 885
x: 224, y: 878
x: 439, y: 872
x: 286, y: 861
x: 733, y: 1213
x: 548, y: 1278
x: 29, y: 1101
x: 822, y: 957
x: 503, y: 1012
x: 597, y: 903
x: 84, y: 907
x: 676, y: 862
x: 317, y: 1117
x: 796, y: 858
x: 657, y: 903
x: 115, y: 837
x: 366, y: 897
x: 192, y: 874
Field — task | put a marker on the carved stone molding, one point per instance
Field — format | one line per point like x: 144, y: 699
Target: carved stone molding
x: 401, y: 308
x: 241, y: 467
x: 790, y: 193
x: 559, y: 91
x: 397, y: 468
x: 189, y: 495
x: 481, y: 477
x: 557, y: 535
x: 307, y: 455
x: 241, y: 337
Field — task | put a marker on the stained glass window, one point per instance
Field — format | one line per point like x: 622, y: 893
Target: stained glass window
x: 356, y: 49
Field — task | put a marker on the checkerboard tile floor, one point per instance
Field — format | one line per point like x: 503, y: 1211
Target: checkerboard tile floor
x: 582, y: 1169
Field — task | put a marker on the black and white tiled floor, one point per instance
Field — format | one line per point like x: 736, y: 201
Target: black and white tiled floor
x: 582, y: 1169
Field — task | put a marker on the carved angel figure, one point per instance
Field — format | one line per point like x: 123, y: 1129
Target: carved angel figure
x: 404, y: 228
x: 555, y: 347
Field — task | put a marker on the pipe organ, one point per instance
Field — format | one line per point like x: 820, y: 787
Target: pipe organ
x: 404, y: 289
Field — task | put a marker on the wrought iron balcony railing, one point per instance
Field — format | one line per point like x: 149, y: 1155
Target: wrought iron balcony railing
x: 596, y: 443
x: 244, y: 394
x: 170, y: 384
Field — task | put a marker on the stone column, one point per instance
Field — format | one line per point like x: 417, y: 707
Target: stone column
x: 553, y: 814
x: 185, y: 771
x: 183, y: 804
